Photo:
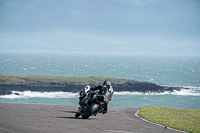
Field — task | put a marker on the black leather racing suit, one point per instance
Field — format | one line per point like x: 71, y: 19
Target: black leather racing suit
x: 106, y: 92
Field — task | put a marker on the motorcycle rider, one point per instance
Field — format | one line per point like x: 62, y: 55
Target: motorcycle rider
x: 106, y: 90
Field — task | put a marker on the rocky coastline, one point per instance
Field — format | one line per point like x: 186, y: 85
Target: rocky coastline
x: 6, y: 86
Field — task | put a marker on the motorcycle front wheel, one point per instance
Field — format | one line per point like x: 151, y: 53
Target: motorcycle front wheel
x: 77, y: 114
x: 90, y: 111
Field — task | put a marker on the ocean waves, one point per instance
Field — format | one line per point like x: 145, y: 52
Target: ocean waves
x: 33, y: 94
x: 183, y: 92
x: 161, y: 70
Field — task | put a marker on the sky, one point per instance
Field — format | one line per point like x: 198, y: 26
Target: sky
x: 115, y: 26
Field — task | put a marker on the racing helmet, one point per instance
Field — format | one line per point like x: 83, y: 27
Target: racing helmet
x: 87, y: 88
x: 105, y: 83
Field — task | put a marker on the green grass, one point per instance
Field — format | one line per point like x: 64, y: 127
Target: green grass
x: 182, y: 119
x: 18, y: 79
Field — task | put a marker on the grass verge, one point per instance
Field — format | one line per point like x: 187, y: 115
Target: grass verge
x: 19, y: 79
x: 182, y: 119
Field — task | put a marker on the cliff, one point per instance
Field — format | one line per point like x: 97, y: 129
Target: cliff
x: 9, y: 83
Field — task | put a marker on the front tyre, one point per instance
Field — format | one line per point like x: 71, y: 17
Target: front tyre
x: 77, y: 114
x: 90, y: 111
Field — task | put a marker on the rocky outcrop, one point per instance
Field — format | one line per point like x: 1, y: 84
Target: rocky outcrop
x: 118, y: 85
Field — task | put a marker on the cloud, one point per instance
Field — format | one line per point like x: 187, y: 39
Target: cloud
x: 131, y: 25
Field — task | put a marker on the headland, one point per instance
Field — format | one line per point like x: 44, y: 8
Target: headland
x: 8, y: 83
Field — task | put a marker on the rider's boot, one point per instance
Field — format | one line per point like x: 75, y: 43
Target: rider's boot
x: 104, y: 111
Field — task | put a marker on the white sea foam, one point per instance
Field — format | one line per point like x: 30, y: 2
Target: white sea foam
x: 33, y: 94
x: 187, y: 92
x: 183, y: 92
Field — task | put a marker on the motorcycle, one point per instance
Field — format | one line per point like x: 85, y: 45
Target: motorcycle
x: 94, y: 106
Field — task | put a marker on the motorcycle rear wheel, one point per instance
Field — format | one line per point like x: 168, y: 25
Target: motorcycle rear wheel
x: 90, y: 111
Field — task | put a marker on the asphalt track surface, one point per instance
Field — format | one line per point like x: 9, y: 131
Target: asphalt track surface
x: 39, y: 118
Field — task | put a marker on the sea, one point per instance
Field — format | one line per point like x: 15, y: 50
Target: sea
x: 164, y: 70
